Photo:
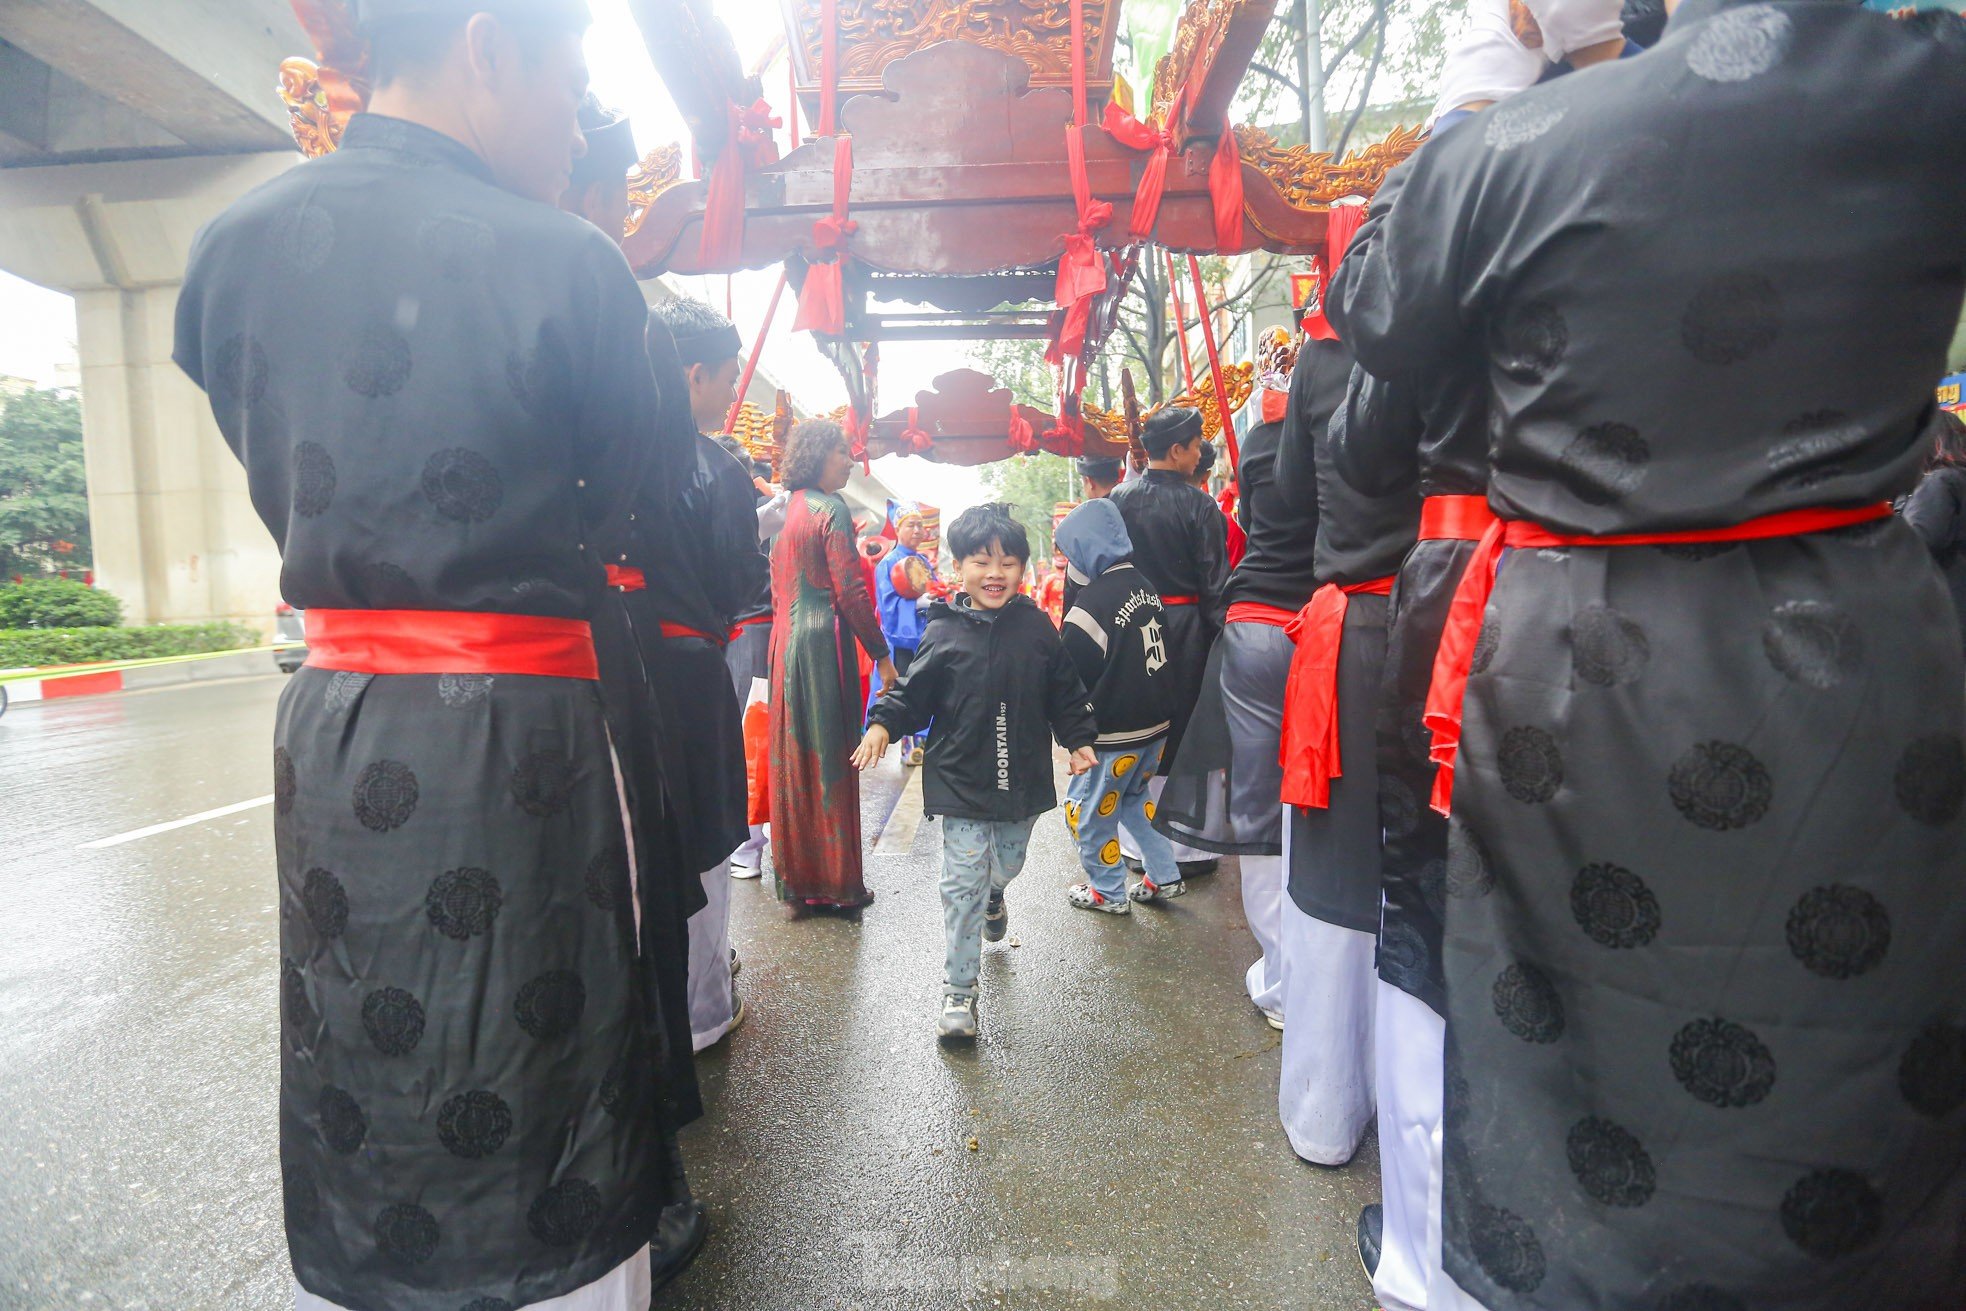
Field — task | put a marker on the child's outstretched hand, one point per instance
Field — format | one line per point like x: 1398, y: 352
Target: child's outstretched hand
x: 1081, y: 761
x: 872, y: 747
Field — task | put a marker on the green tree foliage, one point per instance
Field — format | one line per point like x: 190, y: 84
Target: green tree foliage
x: 44, y: 502
x: 1032, y: 485
x: 57, y: 603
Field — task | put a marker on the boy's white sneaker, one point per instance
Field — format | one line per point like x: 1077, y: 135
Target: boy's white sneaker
x: 958, y: 1022
x: 1087, y: 897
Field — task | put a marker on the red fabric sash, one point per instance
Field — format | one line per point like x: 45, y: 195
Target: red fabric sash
x: 674, y: 630
x: 747, y: 145
x: 1342, y: 223
x: 1454, y: 518
x: 1225, y: 191
x: 1255, y: 612
x: 449, y: 642
x: 1455, y: 659
x: 1309, y: 750
x: 626, y: 578
x: 1179, y: 600
x: 737, y: 629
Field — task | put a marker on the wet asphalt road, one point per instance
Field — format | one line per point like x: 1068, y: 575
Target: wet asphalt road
x: 1121, y: 1102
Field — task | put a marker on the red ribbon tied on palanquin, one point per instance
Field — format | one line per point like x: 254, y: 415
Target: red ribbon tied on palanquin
x: 1136, y: 135
x: 1082, y: 269
x: 1022, y: 438
x: 754, y: 125
x: 915, y: 435
x: 822, y: 300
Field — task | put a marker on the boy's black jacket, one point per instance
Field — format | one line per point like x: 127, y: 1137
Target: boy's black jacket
x: 999, y: 686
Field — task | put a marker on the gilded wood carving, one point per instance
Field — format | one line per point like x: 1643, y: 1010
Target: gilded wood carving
x: 1311, y: 179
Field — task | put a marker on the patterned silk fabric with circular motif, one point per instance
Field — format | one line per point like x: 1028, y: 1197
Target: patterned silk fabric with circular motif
x: 1717, y: 788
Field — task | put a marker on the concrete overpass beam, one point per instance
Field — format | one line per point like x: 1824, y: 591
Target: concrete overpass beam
x: 174, y: 529
x: 201, y: 70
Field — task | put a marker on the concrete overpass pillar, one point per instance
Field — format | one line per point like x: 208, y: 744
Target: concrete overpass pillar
x: 174, y: 530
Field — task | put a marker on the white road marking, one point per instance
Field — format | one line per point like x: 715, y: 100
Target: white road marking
x: 188, y: 820
x: 898, y: 834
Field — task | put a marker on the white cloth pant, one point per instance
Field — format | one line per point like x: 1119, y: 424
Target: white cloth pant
x: 1410, y: 1041
x: 712, y: 1001
x: 1182, y: 851
x: 752, y: 853
x: 1325, y: 1097
x: 1262, y: 907
x: 624, y: 1288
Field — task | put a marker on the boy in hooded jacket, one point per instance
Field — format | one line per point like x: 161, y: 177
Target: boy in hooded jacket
x: 1115, y: 634
x: 993, y: 675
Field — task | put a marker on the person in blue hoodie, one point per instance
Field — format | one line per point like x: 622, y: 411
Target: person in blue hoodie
x: 1116, y: 634
x: 901, y: 617
x: 993, y: 675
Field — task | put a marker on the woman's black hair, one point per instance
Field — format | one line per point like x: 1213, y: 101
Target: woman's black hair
x: 806, y: 449
x: 981, y: 527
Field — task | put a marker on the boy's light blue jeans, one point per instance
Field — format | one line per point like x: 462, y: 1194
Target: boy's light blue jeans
x: 979, y: 856
x: 1101, y: 800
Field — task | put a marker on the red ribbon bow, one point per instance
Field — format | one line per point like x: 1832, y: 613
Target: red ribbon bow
x: 754, y: 124
x: 1022, y: 438
x: 1136, y: 135
x: 915, y: 435
x: 822, y: 300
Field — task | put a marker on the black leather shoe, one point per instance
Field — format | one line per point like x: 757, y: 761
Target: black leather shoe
x: 679, y: 1236
x: 1133, y: 864
x: 1371, y: 1233
x: 1195, y: 869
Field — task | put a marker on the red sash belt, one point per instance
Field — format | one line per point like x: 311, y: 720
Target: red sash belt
x: 626, y: 578
x: 1455, y: 659
x: 737, y: 629
x: 672, y: 629
x: 1179, y: 600
x: 449, y: 642
x: 1309, y: 751
x: 1454, y: 518
x: 1255, y: 612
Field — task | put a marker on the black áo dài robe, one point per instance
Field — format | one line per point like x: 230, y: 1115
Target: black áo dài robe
x: 439, y: 392
x: 1334, y: 870
x: 1238, y: 715
x: 696, y: 553
x: 1432, y: 431
x: 749, y: 655
x: 1180, y: 542
x: 1706, y: 953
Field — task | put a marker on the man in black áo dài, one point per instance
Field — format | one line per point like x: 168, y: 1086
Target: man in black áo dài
x: 1331, y: 785
x: 469, y: 1099
x: 690, y: 569
x: 1238, y: 718
x: 1700, y: 696
x: 1180, y: 543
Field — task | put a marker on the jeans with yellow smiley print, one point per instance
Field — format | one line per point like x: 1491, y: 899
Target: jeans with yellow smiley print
x: 1099, y: 801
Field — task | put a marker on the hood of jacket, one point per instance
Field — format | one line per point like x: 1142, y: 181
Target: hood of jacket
x: 1094, y: 538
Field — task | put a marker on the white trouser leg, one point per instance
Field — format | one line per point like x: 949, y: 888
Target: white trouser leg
x: 624, y: 1288
x: 751, y: 853
x: 1262, y: 907
x: 711, y: 1000
x: 1408, y: 1041
x: 1325, y: 1098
